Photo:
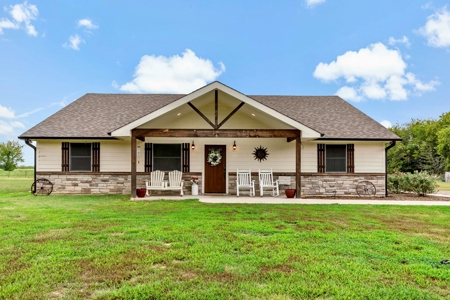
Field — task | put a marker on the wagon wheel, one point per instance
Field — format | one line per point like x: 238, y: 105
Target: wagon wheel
x: 365, y: 188
x: 43, y: 187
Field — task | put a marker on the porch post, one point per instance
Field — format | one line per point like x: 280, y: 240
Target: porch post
x: 298, y: 164
x: 133, y: 165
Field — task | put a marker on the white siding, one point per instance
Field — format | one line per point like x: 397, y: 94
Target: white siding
x: 48, y: 156
x: 309, y: 158
x: 115, y: 156
x: 369, y: 157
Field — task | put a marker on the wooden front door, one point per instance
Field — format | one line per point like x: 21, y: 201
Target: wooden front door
x: 215, y: 173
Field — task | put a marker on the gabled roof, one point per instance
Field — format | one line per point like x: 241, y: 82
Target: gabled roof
x: 330, y: 115
x: 96, y: 115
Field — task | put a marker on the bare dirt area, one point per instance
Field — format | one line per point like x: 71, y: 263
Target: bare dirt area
x: 438, y: 196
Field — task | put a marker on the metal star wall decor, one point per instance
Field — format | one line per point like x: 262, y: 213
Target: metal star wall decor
x: 260, y: 153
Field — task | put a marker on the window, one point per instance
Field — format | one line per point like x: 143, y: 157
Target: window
x: 336, y: 158
x: 80, y: 156
x: 167, y: 157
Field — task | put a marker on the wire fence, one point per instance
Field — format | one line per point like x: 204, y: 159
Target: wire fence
x: 17, y: 173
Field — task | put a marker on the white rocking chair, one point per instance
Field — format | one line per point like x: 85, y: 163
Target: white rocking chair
x: 175, y: 182
x: 266, y: 182
x: 244, y: 180
x: 156, y: 182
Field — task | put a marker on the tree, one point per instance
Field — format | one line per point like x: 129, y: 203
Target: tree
x: 425, y: 146
x: 10, y: 155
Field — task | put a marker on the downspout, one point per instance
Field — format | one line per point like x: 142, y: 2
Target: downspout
x: 391, y: 144
x: 28, y: 142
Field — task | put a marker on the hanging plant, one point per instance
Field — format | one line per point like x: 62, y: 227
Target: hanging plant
x: 260, y: 153
x: 214, y: 157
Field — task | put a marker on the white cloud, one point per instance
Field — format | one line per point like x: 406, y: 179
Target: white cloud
x: 311, y: 3
x: 22, y: 15
x: 386, y: 123
x: 404, y: 40
x: 437, y: 29
x: 175, y: 74
x: 375, y: 72
x: 348, y: 93
x: 114, y: 84
x: 16, y: 124
x: 74, y: 42
x: 30, y: 112
x: 87, y: 23
x: 6, y: 112
x: 7, y: 128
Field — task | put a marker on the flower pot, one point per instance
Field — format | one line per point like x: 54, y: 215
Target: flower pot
x: 290, y: 193
x: 195, y: 190
x: 141, y: 193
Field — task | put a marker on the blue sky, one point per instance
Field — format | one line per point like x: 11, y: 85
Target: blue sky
x: 388, y: 58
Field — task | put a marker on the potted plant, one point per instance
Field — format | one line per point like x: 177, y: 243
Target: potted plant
x: 140, y: 193
x: 194, y: 185
x: 290, y: 193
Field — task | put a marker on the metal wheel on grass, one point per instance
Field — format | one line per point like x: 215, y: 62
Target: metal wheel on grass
x: 43, y: 187
x: 366, y: 188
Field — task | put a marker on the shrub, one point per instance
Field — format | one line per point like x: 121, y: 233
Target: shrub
x: 394, y: 184
x: 421, y: 183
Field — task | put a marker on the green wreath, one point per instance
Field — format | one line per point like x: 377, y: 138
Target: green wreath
x: 214, y: 157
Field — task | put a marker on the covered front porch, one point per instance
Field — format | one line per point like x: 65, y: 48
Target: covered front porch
x: 284, y: 145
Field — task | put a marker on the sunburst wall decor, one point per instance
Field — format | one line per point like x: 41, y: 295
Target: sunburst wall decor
x: 260, y: 153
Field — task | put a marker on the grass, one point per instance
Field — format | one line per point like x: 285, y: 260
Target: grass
x: 444, y: 186
x: 17, y: 173
x: 106, y: 247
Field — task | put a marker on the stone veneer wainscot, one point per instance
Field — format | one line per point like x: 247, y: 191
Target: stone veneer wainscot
x: 313, y: 184
x: 106, y: 183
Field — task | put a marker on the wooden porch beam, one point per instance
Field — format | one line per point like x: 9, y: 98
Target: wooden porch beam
x: 298, y: 164
x: 201, y: 115
x: 223, y: 133
x: 230, y: 115
x: 216, y: 106
x: 290, y: 139
x: 133, y: 166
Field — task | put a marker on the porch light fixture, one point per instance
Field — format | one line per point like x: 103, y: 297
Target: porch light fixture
x: 234, y: 145
x: 193, y: 145
x: 138, y: 150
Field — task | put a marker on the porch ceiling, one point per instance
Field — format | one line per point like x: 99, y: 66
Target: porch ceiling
x: 199, y: 110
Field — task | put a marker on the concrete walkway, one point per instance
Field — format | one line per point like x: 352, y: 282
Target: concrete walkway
x: 284, y: 200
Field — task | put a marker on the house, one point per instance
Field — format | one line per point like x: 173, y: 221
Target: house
x: 108, y: 143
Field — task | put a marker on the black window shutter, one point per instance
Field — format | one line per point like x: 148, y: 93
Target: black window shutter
x: 65, y: 157
x: 186, y: 157
x: 350, y: 158
x: 95, y: 157
x: 148, y: 157
x: 320, y: 158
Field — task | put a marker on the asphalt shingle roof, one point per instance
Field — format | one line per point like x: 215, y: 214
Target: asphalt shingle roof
x: 94, y: 115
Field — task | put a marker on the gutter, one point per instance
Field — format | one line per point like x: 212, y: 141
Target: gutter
x: 391, y: 144
x: 28, y: 142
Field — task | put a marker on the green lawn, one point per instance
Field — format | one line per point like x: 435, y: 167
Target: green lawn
x: 17, y: 173
x: 444, y: 186
x: 106, y: 247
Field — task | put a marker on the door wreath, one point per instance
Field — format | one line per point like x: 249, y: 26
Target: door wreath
x: 214, y: 157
